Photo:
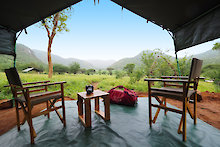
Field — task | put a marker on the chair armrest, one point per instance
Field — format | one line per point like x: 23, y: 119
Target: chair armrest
x: 30, y: 83
x: 35, y: 82
x: 174, y: 80
x: 178, y: 77
x: 152, y: 79
x: 174, y: 77
x: 47, y: 84
x: 169, y: 80
x: 166, y: 80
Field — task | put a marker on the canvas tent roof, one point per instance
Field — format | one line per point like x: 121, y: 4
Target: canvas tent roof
x: 191, y: 21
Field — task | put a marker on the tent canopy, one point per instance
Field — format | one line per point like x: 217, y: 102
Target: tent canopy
x: 191, y: 22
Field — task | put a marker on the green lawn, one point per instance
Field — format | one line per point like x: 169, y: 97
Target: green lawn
x: 77, y: 83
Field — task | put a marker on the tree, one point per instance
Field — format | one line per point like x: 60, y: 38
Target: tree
x: 119, y: 74
x: 136, y: 75
x: 60, y: 68
x: 82, y: 70
x: 185, y: 64
x: 74, y: 67
x: 167, y: 59
x: 216, y: 46
x: 110, y: 69
x: 100, y: 72
x: 129, y: 68
x: 53, y: 24
x: 103, y: 72
x: 148, y: 60
x: 90, y: 71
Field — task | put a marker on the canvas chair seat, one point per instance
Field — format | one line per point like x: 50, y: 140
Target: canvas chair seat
x: 168, y: 92
x: 37, y: 98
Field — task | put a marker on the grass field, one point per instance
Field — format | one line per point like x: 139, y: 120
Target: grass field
x: 77, y: 83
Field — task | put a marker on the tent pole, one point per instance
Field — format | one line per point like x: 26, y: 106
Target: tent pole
x: 15, y: 56
x: 178, y: 66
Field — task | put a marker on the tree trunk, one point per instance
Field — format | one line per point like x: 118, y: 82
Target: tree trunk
x: 50, y: 64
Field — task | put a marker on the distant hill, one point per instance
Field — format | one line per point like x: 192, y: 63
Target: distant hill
x: 208, y: 57
x: 123, y: 62
x: 42, y: 55
x: 24, y: 55
x: 101, y: 64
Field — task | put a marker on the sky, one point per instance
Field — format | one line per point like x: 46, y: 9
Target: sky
x: 106, y: 32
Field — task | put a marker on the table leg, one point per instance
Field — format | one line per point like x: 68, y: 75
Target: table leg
x: 97, y: 103
x: 80, y: 106
x: 107, y: 107
x: 87, y: 113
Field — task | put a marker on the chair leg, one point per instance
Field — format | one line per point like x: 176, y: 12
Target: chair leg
x: 158, y: 109
x: 17, y: 115
x: 63, y: 105
x: 180, y: 129
x: 64, y: 113
x: 150, y: 111
x: 156, y: 115
x: 149, y: 103
x: 195, y: 108
x: 165, y: 104
x: 29, y: 117
x: 48, y: 107
x: 184, y: 119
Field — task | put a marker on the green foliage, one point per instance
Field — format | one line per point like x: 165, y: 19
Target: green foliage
x: 78, y: 82
x: 100, y: 72
x: 204, y: 86
x: 61, y: 69
x: 82, y: 70
x: 6, y: 62
x: 185, y: 65
x: 74, y: 67
x: 25, y: 58
x: 63, y: 17
x: 213, y: 72
x: 136, y: 75
x: 110, y: 82
x: 90, y: 71
x: 158, y: 64
x: 216, y: 46
x: 129, y: 68
x: 104, y: 72
x: 119, y: 74
x: 148, y: 59
x: 110, y: 70
x: 209, y: 68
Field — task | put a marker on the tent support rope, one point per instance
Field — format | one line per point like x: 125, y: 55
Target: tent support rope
x: 178, y: 66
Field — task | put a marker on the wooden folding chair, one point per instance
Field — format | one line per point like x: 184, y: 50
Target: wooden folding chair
x: 31, y: 95
x: 185, y: 88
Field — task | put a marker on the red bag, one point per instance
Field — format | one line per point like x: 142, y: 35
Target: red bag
x: 127, y: 97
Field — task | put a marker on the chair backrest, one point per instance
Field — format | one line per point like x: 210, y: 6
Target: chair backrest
x: 13, y: 77
x: 196, y: 68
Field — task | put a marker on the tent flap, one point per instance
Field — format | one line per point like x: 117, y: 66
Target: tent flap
x: 202, y: 30
x: 7, y: 42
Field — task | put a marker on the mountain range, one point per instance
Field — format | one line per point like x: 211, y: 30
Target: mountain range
x: 208, y: 57
x: 27, y: 55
